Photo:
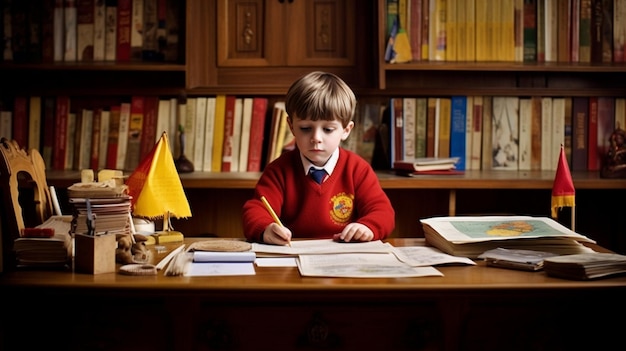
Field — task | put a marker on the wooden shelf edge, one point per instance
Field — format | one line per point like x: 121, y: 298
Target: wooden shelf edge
x: 480, y: 180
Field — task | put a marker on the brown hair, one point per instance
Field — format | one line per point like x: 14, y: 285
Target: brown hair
x: 321, y: 95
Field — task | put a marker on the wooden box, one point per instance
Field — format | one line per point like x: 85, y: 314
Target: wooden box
x: 94, y: 254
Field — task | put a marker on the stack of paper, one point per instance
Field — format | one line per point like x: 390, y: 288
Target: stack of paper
x: 470, y: 236
x: 585, y: 266
x: 55, y: 251
x: 110, y: 215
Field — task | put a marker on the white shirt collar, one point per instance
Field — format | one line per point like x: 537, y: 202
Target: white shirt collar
x: 328, y: 167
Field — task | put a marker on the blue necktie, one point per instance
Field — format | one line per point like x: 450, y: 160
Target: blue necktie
x: 317, y: 174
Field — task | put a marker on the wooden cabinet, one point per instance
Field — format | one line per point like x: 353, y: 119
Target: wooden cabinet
x: 267, y: 44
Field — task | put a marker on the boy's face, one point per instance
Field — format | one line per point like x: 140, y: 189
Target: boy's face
x: 317, y: 140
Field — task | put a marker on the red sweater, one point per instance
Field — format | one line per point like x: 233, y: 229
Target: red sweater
x: 310, y: 210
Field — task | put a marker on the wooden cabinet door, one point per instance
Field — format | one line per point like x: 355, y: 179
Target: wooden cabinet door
x: 287, y: 33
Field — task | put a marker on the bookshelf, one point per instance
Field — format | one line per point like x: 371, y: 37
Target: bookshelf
x: 216, y: 198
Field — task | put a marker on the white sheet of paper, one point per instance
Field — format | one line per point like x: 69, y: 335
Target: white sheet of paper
x: 321, y: 246
x: 216, y: 269
x: 360, y: 265
x: 276, y: 262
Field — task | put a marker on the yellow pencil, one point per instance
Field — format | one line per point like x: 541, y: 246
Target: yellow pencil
x: 272, y: 213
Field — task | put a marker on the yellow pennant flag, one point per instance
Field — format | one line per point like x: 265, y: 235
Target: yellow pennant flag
x: 563, y: 191
x: 155, y: 185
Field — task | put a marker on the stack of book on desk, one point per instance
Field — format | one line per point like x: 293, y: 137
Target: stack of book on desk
x: 108, y: 206
x: 585, y: 266
x: 470, y: 236
x: 44, y: 250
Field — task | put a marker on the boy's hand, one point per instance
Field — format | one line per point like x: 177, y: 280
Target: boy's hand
x: 276, y: 234
x: 354, y: 232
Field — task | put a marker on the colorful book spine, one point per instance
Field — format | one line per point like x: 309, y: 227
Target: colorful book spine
x: 458, y: 120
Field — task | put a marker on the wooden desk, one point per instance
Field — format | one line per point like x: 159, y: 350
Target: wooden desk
x: 471, y: 307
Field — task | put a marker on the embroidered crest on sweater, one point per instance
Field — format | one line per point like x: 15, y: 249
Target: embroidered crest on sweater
x: 342, y: 208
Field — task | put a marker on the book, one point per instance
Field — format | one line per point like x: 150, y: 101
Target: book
x: 95, y: 139
x: 70, y: 142
x: 442, y: 127
x: 85, y: 21
x: 530, y: 30
x: 477, y: 132
x: 469, y: 127
x: 189, y: 128
x: 124, y: 22
x: 173, y: 24
x: 150, y: 43
x: 234, y: 164
x: 104, y: 139
x: 20, y: 120
x: 397, y: 131
x: 136, y: 29
x: 593, y: 159
x: 209, y: 130
x: 414, y: 28
x: 274, y: 123
x: 575, y: 31
x: 110, y: 30
x: 580, y: 120
x: 584, y: 32
x: 99, y: 30
x: 223, y: 103
x: 20, y: 31
x: 34, y: 122
x: 619, y: 30
x: 585, y: 266
x: 458, y: 126
x: 244, y: 143
x: 149, y: 126
x: 431, y: 121
x: 48, y: 130
x: 408, y: 130
x: 60, y: 127
x: 567, y: 130
x: 86, y: 138
x: 505, y: 133
x: 563, y: 40
x: 47, y: 30
x: 113, y: 140
x: 6, y: 126
x: 257, y: 133
x: 229, y: 130
x: 470, y: 236
x: 58, y: 31
x: 135, y: 131
x: 535, y: 134
x: 486, y: 157
x: 558, y: 130
x: 7, y: 34
x: 70, y: 54
x: 199, y: 133
x: 421, y: 117
x: 427, y: 164
x: 546, y: 134
x: 525, y: 136
x: 122, y: 137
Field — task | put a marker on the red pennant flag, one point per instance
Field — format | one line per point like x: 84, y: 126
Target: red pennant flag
x: 563, y: 191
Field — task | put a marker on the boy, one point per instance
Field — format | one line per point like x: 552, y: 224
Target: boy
x: 348, y: 204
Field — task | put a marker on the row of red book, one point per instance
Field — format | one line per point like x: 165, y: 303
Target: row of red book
x: 91, y: 30
x: 508, y: 133
x: 588, y: 31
